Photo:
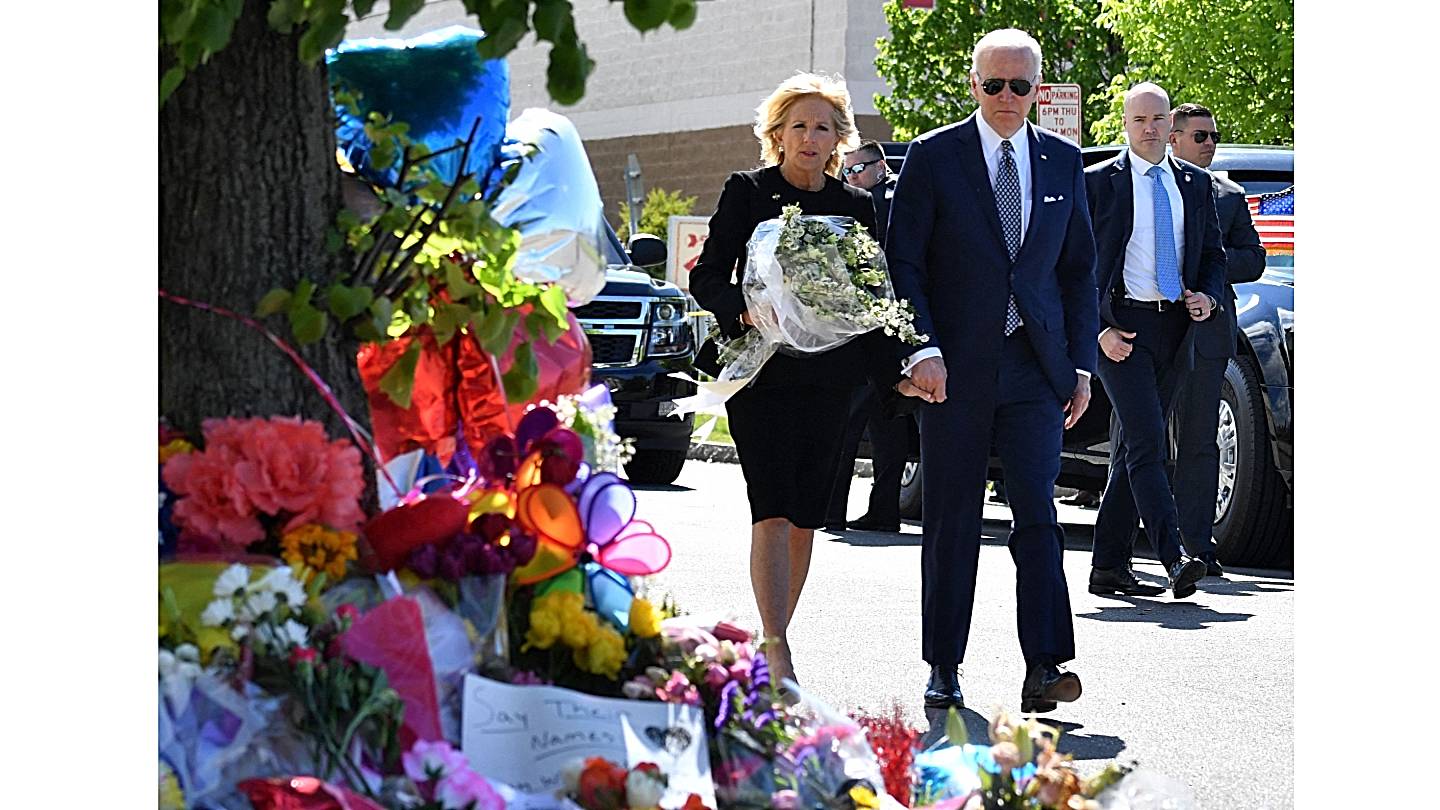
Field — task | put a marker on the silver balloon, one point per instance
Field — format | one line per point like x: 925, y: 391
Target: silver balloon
x: 555, y: 203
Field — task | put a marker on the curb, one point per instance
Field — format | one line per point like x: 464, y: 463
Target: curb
x: 725, y: 454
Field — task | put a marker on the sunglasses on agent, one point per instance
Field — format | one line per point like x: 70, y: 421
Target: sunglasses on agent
x: 851, y: 171
x: 1199, y: 136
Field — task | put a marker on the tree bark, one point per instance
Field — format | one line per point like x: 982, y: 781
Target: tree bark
x: 249, y: 188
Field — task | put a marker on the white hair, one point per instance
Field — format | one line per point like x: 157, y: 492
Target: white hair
x: 1146, y: 89
x: 1006, y: 39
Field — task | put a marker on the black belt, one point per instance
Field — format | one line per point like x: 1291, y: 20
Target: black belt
x: 1153, y: 306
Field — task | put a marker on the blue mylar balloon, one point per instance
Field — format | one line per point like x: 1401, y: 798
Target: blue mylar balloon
x: 437, y: 83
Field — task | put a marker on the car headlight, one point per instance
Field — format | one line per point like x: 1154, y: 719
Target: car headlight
x: 669, y: 332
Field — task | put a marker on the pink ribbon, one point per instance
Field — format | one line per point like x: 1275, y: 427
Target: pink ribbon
x: 357, y: 433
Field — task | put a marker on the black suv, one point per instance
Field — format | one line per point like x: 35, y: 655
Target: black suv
x: 1254, y: 522
x: 639, y: 333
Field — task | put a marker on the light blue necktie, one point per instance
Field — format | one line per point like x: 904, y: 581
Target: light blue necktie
x: 1167, y: 269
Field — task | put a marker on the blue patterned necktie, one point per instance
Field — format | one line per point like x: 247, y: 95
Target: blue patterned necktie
x: 1167, y: 269
x: 1007, y: 200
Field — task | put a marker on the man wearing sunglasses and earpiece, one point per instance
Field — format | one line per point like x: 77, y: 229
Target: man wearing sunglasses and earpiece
x: 1193, y: 137
x: 889, y: 435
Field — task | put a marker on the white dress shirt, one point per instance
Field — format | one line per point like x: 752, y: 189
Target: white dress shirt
x: 990, y: 149
x: 1140, y: 280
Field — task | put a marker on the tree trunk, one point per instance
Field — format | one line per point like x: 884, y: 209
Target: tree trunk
x: 249, y: 189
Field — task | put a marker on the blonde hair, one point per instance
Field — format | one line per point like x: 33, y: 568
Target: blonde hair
x: 770, y: 116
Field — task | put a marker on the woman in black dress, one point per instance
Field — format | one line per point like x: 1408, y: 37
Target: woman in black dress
x: 787, y: 425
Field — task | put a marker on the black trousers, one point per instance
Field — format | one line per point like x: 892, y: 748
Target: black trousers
x: 1141, y: 388
x: 889, y: 444
x: 1195, y: 474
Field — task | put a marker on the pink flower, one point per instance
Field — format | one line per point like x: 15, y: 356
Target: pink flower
x: 716, y: 676
x: 211, y: 502
x: 525, y: 677
x: 428, y: 760
x: 461, y: 788
x: 679, y: 690
x: 688, y: 638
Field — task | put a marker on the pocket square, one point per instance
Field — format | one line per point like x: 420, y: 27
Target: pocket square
x: 1055, y: 199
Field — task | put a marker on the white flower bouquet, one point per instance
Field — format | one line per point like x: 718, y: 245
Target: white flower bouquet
x: 812, y: 283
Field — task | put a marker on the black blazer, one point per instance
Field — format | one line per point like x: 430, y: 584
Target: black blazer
x: 880, y: 195
x: 748, y: 199
x: 947, y: 257
x: 1110, y: 193
x: 1244, y: 261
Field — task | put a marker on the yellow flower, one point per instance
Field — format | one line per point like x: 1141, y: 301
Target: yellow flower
x: 864, y: 797
x: 579, y: 630
x: 175, y: 447
x: 544, y: 628
x: 644, y: 619
x: 171, y: 796
x: 491, y: 501
x: 314, y: 548
x: 605, y: 655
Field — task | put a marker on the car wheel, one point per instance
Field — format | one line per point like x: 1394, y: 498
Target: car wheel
x: 655, y: 466
x: 910, y: 491
x: 1253, y: 524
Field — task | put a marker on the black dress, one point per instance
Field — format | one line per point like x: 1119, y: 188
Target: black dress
x: 788, y: 424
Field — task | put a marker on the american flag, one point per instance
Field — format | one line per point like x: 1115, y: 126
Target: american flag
x: 1274, y: 216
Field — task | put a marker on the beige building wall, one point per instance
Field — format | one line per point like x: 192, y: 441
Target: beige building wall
x: 684, y: 101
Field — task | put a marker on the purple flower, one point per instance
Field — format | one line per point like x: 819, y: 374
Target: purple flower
x: 452, y: 560
x: 521, y: 548
x: 491, y: 526
x: 759, y: 673
x: 728, y: 696
x: 423, y: 560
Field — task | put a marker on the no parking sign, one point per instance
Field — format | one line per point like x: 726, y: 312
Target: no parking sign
x: 1057, y: 108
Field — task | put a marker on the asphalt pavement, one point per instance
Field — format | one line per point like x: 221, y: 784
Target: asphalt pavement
x: 1200, y: 690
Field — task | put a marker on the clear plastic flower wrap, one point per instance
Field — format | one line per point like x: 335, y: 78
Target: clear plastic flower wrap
x: 812, y: 283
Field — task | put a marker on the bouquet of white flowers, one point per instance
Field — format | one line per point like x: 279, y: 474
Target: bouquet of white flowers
x: 811, y: 284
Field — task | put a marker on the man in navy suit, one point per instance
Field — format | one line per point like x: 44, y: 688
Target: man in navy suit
x: 1161, y: 271
x: 990, y: 241
x: 1195, y: 411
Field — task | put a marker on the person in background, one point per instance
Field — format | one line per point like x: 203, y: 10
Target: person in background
x: 1161, y: 273
x: 889, y: 436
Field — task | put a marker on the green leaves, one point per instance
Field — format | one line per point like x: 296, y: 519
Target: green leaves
x: 347, y: 302
x: 400, y: 12
x: 170, y: 81
x: 521, y: 381
x: 955, y: 728
x: 565, y: 76
x: 682, y: 14
x: 274, y: 301
x: 647, y: 15
x: 399, y: 382
x: 211, y: 28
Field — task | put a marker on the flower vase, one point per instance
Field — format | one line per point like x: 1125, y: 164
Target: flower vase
x: 482, y: 604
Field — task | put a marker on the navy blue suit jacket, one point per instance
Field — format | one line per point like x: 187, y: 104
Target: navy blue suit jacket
x: 1111, y: 195
x: 947, y: 256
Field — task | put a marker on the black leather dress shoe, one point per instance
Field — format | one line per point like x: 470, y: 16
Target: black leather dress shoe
x: 1105, y: 581
x: 865, y: 523
x: 1212, y: 566
x: 1045, y: 685
x: 1184, y: 573
x: 944, y: 688
x: 834, y: 527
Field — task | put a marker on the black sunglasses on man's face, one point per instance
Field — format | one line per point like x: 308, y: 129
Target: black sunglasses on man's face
x: 992, y: 87
x: 852, y: 170
x: 1199, y: 136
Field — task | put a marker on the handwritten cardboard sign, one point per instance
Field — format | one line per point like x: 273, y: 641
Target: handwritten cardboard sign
x: 525, y: 735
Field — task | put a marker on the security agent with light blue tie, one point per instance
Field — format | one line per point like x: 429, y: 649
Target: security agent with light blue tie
x: 990, y: 240
x: 1161, y: 268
